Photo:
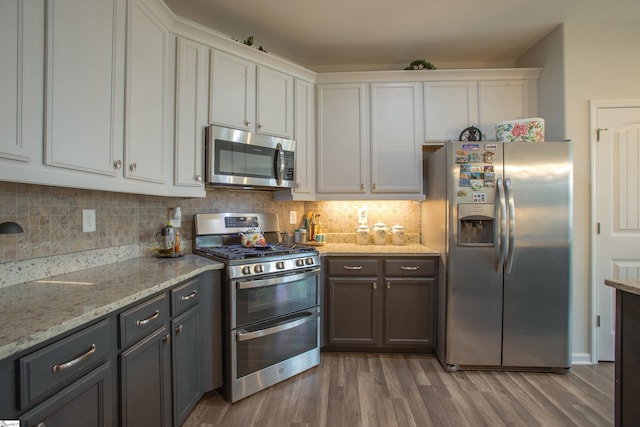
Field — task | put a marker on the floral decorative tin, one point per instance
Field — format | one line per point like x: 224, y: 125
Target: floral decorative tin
x: 523, y: 130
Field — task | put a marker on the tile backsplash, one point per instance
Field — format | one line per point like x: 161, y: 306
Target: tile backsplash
x: 52, y: 216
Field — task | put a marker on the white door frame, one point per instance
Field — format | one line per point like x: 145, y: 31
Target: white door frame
x: 612, y: 103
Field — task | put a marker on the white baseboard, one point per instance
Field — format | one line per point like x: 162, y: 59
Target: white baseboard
x: 581, y: 359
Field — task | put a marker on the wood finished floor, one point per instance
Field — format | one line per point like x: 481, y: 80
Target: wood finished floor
x: 388, y: 390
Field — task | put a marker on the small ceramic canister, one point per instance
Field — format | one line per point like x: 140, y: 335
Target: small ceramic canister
x: 397, y: 235
x: 362, y: 234
x: 380, y: 232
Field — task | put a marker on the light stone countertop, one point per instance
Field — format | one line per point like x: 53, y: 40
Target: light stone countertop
x: 33, y: 312
x: 628, y: 285
x: 352, y: 249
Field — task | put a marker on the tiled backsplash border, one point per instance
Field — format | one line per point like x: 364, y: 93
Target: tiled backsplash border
x: 53, y: 240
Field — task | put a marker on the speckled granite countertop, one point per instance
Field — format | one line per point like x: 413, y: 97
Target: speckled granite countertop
x: 628, y: 285
x: 347, y: 249
x: 33, y: 312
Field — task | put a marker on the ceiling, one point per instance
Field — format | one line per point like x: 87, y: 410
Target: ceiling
x: 342, y: 35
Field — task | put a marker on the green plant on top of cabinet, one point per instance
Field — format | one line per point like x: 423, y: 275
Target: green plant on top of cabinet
x: 371, y: 133
x: 250, y: 97
x: 192, y: 68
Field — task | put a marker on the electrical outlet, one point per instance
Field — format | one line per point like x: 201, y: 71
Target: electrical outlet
x: 293, y: 217
x: 88, y: 220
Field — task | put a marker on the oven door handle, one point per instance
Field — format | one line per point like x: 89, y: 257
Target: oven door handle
x: 304, y: 317
x: 276, y: 280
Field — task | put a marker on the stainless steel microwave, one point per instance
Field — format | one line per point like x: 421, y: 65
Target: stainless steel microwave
x: 244, y: 159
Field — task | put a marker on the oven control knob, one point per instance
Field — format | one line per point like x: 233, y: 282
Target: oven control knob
x: 246, y: 270
x: 309, y: 261
x: 258, y: 268
x: 280, y: 265
x: 300, y: 262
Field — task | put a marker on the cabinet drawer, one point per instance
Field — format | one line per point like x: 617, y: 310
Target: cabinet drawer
x: 62, y: 362
x: 410, y: 267
x: 186, y: 295
x: 143, y: 319
x: 352, y: 267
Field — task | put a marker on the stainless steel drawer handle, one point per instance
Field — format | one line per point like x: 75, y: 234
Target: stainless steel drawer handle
x: 410, y: 267
x: 62, y: 366
x: 352, y: 267
x: 151, y: 318
x: 192, y: 295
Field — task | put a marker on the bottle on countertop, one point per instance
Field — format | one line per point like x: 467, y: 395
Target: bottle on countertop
x: 177, y: 249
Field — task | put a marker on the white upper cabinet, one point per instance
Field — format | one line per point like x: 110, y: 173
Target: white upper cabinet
x: 450, y: 107
x: 397, y: 134
x: 370, y: 149
x: 305, y: 137
x: 84, y: 85
x: 232, y: 99
x: 19, y: 91
x: 147, y: 120
x: 250, y: 97
x: 192, y: 67
x: 504, y: 100
x: 343, y: 138
x: 274, y: 99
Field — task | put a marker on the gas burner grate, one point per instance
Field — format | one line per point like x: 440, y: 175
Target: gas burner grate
x: 233, y: 252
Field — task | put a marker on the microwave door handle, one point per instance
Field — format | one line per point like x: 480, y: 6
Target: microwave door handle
x: 279, y: 164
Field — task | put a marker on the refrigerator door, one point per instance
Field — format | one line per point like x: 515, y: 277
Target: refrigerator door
x: 537, y: 289
x: 474, y: 288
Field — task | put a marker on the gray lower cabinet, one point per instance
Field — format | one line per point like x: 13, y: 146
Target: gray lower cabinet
x: 381, y: 303
x: 69, y: 382
x: 145, y: 364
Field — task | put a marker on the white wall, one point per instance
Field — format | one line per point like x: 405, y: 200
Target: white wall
x: 585, y: 61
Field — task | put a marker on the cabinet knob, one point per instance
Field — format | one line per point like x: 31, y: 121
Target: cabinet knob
x: 248, y: 122
x: 199, y: 178
x: 179, y: 329
x: 388, y: 285
x: 375, y: 285
x: 374, y: 186
x: 166, y: 339
x: 362, y: 187
x: 117, y: 164
x: 298, y: 185
x: 260, y: 125
x: 133, y: 167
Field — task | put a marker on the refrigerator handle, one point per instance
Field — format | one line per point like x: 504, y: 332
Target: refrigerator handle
x: 502, y: 207
x: 512, y: 223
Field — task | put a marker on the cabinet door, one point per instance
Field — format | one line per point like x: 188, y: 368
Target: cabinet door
x: 274, y: 99
x: 499, y: 101
x: 232, y: 91
x: 87, y: 402
x: 343, y: 138
x: 187, y: 353
x: 192, y: 66
x: 145, y: 382
x: 397, y: 134
x: 18, y: 91
x: 305, y: 136
x: 84, y: 86
x: 409, y: 312
x: 450, y: 107
x: 147, y: 118
x: 354, y: 311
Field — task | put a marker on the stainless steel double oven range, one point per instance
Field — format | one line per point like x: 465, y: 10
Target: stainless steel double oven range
x: 271, y: 311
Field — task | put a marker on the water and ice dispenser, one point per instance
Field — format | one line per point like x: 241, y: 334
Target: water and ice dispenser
x: 476, y: 224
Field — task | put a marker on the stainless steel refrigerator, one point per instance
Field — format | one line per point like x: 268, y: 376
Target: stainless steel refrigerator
x: 501, y: 215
